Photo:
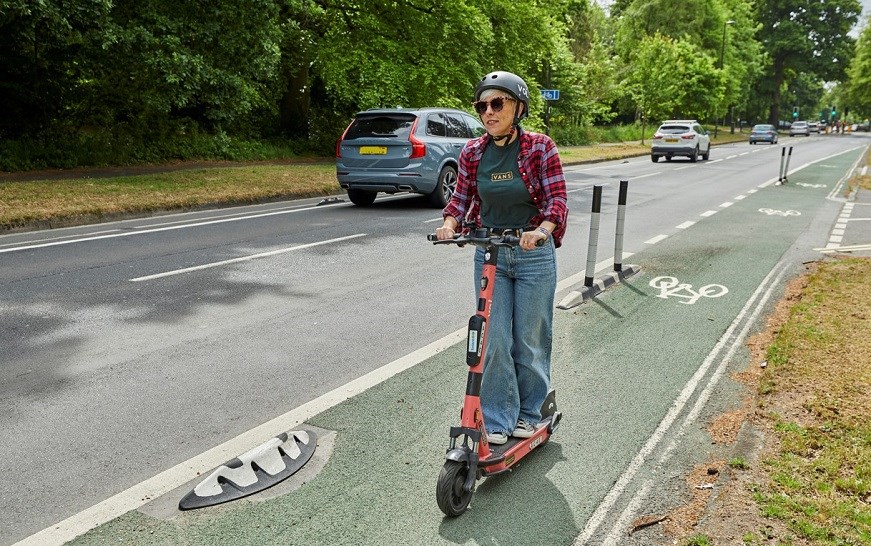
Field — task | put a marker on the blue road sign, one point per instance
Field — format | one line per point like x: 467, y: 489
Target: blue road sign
x: 550, y: 94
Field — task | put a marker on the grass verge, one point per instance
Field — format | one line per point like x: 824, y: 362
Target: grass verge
x: 69, y: 200
x: 814, y: 395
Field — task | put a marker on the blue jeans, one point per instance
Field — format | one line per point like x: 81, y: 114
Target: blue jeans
x: 519, y: 339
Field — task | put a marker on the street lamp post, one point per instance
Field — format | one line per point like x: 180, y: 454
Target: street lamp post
x: 722, y: 51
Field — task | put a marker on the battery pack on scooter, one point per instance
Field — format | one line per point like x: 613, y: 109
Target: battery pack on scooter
x: 475, y: 343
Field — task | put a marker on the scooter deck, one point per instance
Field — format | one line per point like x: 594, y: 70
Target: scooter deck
x: 503, y: 456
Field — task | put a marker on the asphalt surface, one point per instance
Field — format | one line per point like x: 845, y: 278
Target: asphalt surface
x: 638, y: 372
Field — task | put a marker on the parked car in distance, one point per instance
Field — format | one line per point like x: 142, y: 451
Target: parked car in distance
x: 680, y: 137
x: 395, y: 150
x: 813, y: 126
x: 799, y: 128
x: 763, y: 133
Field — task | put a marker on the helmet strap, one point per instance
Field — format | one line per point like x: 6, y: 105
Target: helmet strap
x: 507, y: 135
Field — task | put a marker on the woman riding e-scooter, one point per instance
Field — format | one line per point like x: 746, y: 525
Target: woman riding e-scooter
x: 512, y: 179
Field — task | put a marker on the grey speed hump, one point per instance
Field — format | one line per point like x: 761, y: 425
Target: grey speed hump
x: 253, y: 471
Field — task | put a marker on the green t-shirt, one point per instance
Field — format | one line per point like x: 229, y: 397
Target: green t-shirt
x: 505, y: 201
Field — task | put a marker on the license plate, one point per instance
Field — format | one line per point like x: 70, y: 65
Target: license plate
x: 373, y: 150
x: 671, y: 140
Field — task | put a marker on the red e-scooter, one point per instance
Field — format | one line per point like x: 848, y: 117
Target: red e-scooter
x: 469, y: 455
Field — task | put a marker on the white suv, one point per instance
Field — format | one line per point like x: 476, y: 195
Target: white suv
x: 683, y: 137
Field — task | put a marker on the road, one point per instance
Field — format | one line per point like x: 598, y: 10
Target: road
x: 133, y: 347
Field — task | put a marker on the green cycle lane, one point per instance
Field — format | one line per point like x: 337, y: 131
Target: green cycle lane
x: 620, y: 363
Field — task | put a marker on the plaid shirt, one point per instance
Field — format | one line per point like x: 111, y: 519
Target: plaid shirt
x: 541, y: 170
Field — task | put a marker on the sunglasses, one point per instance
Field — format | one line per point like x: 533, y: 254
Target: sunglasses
x: 496, y: 103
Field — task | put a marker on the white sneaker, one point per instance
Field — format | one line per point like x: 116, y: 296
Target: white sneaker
x: 497, y: 438
x: 524, y: 429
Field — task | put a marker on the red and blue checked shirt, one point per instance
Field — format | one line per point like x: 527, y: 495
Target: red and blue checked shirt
x: 541, y: 170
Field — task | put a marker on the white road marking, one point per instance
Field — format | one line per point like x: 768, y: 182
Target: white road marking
x: 166, y: 228
x: 654, y: 240
x: 715, y: 160
x: 726, y: 204
x: 242, y: 259
x: 708, y: 213
x: 686, y: 224
x: 64, y: 237
x: 739, y: 197
x: 834, y: 247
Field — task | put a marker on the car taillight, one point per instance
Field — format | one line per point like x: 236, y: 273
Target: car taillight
x: 418, y: 148
x: 339, y: 142
x: 657, y: 136
x: 688, y: 137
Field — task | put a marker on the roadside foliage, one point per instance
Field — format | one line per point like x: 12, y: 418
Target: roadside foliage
x: 88, y: 82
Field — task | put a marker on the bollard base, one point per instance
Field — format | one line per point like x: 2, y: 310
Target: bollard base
x: 577, y: 297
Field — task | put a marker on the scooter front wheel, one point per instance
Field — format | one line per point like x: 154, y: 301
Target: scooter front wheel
x: 450, y: 495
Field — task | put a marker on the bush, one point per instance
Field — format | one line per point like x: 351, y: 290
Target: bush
x: 102, y: 147
x: 582, y: 135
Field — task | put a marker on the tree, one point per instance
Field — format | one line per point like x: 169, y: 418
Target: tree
x: 859, y: 73
x: 42, y: 64
x: 594, y: 84
x: 417, y: 53
x: 699, y: 22
x: 744, y: 59
x: 807, y: 36
x: 211, y: 62
x: 672, y: 79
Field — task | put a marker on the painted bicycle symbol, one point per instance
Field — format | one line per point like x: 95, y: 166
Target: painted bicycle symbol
x: 670, y: 286
x: 774, y: 212
x: 810, y: 185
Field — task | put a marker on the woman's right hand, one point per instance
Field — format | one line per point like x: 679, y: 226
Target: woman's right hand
x: 444, y: 233
x: 447, y: 230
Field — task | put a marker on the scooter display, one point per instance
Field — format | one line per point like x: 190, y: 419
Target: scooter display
x: 469, y: 456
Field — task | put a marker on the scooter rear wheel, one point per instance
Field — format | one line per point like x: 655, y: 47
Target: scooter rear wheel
x: 450, y: 496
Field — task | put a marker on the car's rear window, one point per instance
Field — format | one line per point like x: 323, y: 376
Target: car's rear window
x: 763, y: 127
x: 674, y: 129
x: 385, y: 126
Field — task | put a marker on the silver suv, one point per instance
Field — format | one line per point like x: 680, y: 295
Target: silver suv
x: 403, y: 150
x: 680, y: 137
x: 799, y: 128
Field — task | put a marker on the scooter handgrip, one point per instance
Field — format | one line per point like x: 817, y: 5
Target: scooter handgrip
x: 432, y: 237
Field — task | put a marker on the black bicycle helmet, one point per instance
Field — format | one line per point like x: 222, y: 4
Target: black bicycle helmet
x: 511, y: 84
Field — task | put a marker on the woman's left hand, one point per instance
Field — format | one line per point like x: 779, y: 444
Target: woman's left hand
x: 530, y: 239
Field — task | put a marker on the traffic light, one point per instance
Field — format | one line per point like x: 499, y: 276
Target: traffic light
x: 794, y: 112
x: 834, y: 111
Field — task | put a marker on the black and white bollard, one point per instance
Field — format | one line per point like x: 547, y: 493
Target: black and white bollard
x: 782, y: 157
x: 594, y: 236
x: 786, y: 169
x: 621, y: 271
x: 621, y: 221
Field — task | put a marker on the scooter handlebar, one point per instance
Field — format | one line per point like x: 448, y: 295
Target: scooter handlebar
x: 460, y: 239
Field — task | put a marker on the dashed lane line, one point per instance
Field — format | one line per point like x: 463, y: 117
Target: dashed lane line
x: 242, y: 259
